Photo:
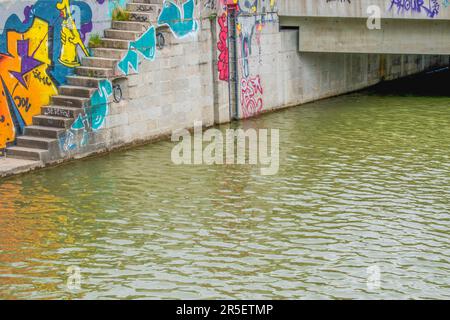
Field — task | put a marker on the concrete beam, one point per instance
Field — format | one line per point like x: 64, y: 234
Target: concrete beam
x: 352, y: 36
x: 390, y: 9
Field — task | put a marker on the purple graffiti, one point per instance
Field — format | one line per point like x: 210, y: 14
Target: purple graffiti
x: 419, y: 6
x: 27, y: 63
x: 85, y: 29
x: 28, y: 13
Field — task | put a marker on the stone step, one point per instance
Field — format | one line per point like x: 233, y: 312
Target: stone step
x: 116, y: 54
x: 115, y: 43
x: 26, y: 153
x: 99, y: 62
x: 148, y: 1
x: 143, y: 7
x: 80, y: 81
x: 35, y: 142
x: 130, y: 26
x: 122, y: 34
x: 76, y: 91
x: 52, y: 121
x: 61, y: 111
x: 43, y: 131
x: 143, y: 16
x: 70, y: 101
x: 160, y: 2
x: 94, y: 72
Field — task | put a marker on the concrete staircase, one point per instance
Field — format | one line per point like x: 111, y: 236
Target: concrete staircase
x: 40, y: 140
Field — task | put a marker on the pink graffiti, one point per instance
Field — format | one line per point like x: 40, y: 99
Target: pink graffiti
x: 251, y: 96
x: 222, y: 64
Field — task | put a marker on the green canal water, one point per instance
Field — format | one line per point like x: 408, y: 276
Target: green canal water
x: 364, y: 183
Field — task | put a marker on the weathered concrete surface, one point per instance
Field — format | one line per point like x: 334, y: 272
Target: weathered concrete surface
x: 358, y: 9
x: 352, y: 36
x: 11, y: 166
x: 290, y: 77
x: 181, y: 85
x: 407, y: 26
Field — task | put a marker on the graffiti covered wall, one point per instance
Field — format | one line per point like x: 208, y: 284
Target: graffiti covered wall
x: 165, y: 87
x: 252, y: 16
x: 41, y: 42
x: 179, y: 17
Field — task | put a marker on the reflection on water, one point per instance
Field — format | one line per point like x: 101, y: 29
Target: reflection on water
x: 364, y: 181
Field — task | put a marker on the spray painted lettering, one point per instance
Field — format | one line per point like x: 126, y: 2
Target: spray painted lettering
x: 222, y: 45
x: 430, y: 7
x: 180, y: 20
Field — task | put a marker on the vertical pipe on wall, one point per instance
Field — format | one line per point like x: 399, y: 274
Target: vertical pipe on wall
x: 233, y: 83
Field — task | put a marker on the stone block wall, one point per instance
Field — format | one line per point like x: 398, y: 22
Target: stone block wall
x: 188, y: 79
x: 185, y: 83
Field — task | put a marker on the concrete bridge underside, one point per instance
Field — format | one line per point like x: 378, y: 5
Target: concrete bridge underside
x: 342, y: 35
x: 341, y: 27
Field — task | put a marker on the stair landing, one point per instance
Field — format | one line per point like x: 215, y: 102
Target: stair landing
x: 12, y: 166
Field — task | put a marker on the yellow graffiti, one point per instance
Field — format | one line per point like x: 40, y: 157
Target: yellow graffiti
x: 272, y: 4
x: 25, y: 85
x: 70, y: 37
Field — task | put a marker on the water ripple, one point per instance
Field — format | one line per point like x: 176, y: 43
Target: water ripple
x: 364, y: 180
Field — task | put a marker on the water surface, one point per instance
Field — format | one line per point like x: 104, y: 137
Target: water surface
x: 364, y: 181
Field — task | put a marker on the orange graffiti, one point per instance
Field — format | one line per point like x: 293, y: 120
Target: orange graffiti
x: 25, y: 84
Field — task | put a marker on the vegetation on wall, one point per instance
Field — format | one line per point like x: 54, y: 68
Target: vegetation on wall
x: 120, y: 14
x: 95, y: 41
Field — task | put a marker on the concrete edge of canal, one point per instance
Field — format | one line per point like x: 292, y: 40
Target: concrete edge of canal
x: 409, y: 84
x: 188, y: 80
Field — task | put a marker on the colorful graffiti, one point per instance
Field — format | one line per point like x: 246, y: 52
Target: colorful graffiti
x: 180, y: 20
x: 252, y: 17
x: 268, y: 6
x: 25, y: 83
x: 246, y: 29
x: 145, y: 45
x: 64, y: 24
x: 222, y: 45
x: 210, y: 4
x: 70, y: 37
x: 37, y: 52
x: 91, y: 120
x: 113, y: 4
x: 431, y: 9
x: 251, y: 96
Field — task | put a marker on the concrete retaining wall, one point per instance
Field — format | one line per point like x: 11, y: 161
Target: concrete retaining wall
x: 188, y: 79
x: 182, y: 85
x: 389, y: 9
x: 288, y: 77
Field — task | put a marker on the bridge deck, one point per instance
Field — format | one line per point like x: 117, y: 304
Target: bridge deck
x: 340, y: 26
x: 392, y: 9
